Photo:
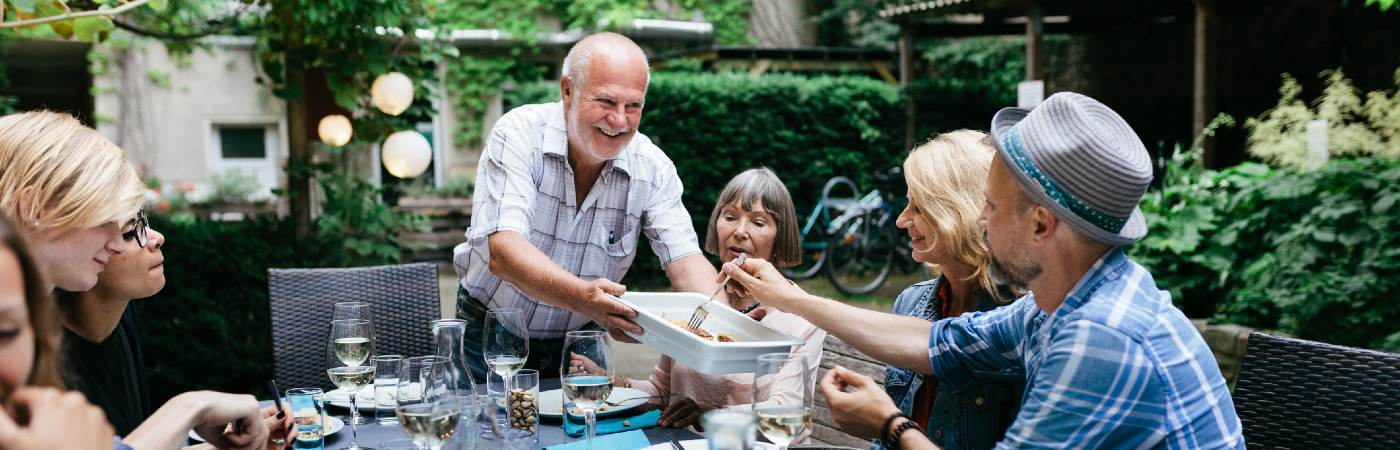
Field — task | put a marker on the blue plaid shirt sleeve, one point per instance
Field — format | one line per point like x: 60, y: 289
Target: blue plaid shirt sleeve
x: 1092, y: 389
x: 961, y: 347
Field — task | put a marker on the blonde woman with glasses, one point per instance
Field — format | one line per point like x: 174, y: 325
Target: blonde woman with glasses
x: 71, y: 190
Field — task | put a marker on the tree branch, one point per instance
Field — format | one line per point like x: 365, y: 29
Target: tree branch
x: 218, y: 27
x: 74, y: 15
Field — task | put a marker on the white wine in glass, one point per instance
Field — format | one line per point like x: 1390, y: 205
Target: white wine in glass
x: 586, y: 375
x: 779, y: 376
x: 429, y: 424
x: 350, y: 333
x: 505, y: 365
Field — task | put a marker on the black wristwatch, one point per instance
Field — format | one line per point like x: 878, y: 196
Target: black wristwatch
x: 890, y: 438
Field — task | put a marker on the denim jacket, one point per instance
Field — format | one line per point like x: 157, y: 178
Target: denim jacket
x: 973, y: 418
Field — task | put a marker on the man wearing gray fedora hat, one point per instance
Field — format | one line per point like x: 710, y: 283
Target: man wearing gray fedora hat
x: 1109, y: 362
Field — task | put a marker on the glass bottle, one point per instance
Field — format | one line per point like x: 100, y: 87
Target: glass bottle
x: 447, y: 333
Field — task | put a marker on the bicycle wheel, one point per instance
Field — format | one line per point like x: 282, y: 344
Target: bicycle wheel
x: 813, y: 255
x: 860, y: 257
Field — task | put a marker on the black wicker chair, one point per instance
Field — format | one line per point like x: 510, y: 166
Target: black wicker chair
x: 404, y: 299
x: 1298, y: 394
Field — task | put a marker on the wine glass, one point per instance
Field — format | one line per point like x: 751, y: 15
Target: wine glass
x: 426, y: 410
x: 587, y: 374
x: 505, y: 346
x: 784, y: 416
x: 347, y: 348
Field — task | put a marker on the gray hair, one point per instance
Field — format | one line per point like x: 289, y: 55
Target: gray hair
x: 761, y: 185
x: 575, y: 66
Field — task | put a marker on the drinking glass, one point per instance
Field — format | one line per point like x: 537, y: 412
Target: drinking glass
x: 777, y: 375
x: 522, y: 398
x: 356, y: 311
x: 586, y: 374
x: 386, y: 387
x: 348, y: 342
x: 729, y: 430
x: 308, y: 414
x: 505, y: 345
x: 398, y: 444
x: 423, y: 384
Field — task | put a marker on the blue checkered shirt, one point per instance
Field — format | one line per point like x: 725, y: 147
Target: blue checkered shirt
x: 1115, y: 366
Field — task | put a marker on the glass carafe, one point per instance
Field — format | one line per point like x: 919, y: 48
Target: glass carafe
x: 448, y: 334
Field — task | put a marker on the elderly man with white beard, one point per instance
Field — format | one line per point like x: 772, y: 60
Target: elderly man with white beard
x: 563, y: 192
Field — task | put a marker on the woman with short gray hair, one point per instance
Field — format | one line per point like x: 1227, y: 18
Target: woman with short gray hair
x: 755, y: 216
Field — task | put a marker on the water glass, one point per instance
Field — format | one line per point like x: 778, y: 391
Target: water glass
x: 386, y: 387
x: 523, y: 400
x: 729, y: 430
x: 308, y: 416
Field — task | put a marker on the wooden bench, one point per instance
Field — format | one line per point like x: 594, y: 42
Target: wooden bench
x: 836, y: 353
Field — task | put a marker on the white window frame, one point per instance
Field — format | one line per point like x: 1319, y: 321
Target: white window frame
x: 275, y: 154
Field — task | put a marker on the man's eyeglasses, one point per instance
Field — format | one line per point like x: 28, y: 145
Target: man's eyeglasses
x: 138, y: 231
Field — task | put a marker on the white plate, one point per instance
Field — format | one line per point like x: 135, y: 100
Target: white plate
x: 701, y: 444
x: 331, y: 425
x: 656, y: 310
x: 340, y: 398
x: 552, y: 402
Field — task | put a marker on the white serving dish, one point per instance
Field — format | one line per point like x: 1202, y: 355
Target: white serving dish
x: 655, y: 310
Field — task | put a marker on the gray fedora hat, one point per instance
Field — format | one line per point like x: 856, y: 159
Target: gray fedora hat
x: 1077, y: 157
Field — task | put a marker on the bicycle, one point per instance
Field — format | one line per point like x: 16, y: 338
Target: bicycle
x: 862, y: 243
x: 813, y: 233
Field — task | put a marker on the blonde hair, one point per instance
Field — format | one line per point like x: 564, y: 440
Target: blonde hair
x: 761, y: 185
x: 79, y: 179
x: 946, y: 177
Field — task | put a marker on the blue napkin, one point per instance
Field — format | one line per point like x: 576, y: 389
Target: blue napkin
x: 574, y: 426
x: 631, y: 440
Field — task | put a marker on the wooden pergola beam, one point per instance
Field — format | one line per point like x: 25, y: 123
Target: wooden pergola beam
x: 1203, y: 107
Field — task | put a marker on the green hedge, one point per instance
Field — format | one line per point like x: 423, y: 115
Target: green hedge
x: 1314, y: 254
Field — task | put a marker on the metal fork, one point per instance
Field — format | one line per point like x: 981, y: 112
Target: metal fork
x: 698, y: 317
x: 621, y: 401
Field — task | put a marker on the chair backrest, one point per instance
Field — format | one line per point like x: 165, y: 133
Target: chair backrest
x: 826, y: 432
x: 1294, y: 393
x: 403, y: 298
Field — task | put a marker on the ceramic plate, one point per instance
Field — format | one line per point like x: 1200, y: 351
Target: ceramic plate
x: 364, y: 399
x: 552, y: 402
x: 700, y: 444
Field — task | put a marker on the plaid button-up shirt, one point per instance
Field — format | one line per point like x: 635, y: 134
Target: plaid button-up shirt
x: 524, y: 184
x: 1115, y: 366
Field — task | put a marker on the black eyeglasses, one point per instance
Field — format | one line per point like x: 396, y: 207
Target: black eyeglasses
x: 139, y: 231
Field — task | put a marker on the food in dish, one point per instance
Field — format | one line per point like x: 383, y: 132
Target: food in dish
x: 722, y: 337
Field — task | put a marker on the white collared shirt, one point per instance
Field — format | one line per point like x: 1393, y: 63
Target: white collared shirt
x: 524, y: 184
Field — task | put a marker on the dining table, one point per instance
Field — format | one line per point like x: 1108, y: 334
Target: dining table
x: 551, y: 432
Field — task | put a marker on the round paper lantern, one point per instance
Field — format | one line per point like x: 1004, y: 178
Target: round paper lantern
x: 335, y: 130
x: 406, y: 154
x: 392, y: 93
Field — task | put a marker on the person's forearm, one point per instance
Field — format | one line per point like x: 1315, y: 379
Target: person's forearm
x: 519, y: 263
x: 899, y: 341
x: 167, y: 427
x: 692, y: 273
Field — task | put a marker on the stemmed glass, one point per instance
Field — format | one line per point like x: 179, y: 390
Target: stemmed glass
x: 357, y: 311
x: 586, y: 374
x: 426, y: 409
x: 347, y: 348
x: 505, y: 346
x: 773, y: 378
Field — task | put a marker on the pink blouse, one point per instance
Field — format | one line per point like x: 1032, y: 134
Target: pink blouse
x: 735, y: 391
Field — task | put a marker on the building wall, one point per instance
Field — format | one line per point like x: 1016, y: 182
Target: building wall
x: 161, y: 108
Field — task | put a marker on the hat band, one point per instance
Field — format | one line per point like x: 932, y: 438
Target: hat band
x: 1011, y: 141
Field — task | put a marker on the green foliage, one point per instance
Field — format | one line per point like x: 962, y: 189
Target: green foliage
x: 714, y: 126
x: 361, y: 228
x: 1309, y: 253
x: 231, y: 186
x: 1355, y: 127
x: 454, y: 187
x: 1384, y: 5
x: 854, y: 23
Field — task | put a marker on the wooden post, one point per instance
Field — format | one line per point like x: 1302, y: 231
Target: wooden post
x: 906, y: 73
x: 1203, y: 80
x: 1035, y: 31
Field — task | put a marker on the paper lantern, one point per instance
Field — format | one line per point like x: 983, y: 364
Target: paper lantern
x: 335, y: 130
x: 392, y: 93
x: 406, y: 154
